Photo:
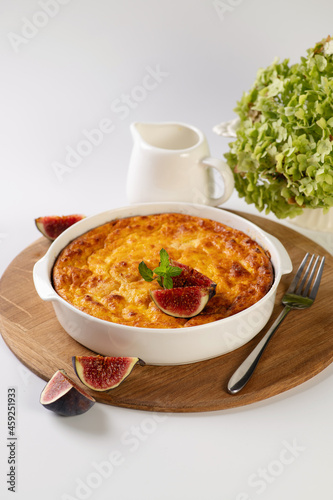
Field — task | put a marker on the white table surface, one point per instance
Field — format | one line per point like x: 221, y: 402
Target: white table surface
x: 65, y: 66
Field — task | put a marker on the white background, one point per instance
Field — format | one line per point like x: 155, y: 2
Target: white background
x: 62, y: 78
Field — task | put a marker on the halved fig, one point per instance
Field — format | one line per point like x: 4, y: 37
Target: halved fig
x: 53, y: 225
x: 102, y: 373
x: 182, y: 302
x: 192, y: 277
x: 64, y: 397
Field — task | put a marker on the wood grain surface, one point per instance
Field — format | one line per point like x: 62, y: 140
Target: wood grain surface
x: 302, y: 347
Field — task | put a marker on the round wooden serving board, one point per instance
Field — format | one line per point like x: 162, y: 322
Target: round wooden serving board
x: 302, y: 347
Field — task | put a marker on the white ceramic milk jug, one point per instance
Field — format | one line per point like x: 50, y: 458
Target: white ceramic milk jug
x: 171, y: 162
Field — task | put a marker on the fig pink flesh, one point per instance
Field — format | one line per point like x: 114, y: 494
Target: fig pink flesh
x: 191, y: 277
x: 52, y: 226
x: 103, y: 373
x: 184, y: 302
x: 57, y: 386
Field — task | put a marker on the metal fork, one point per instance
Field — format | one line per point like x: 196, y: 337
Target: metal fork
x: 298, y: 296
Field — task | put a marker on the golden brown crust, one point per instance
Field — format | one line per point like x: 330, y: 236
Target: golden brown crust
x: 98, y: 272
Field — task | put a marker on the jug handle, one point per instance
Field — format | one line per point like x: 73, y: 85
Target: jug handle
x: 227, y: 177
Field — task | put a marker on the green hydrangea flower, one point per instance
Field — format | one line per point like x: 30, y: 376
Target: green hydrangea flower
x: 282, y: 158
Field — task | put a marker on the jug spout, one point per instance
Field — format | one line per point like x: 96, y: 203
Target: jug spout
x: 144, y: 133
x: 134, y: 128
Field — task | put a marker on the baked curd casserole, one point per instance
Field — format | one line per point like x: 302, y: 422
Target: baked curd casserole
x: 98, y: 271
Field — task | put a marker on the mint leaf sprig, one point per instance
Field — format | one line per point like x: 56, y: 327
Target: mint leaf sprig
x: 164, y: 272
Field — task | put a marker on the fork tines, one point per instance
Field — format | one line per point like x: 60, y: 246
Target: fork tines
x: 303, y: 287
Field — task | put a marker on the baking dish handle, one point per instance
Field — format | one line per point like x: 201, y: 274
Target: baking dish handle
x: 41, y: 280
x: 286, y: 264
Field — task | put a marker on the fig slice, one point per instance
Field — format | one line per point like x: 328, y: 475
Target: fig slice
x: 64, y: 397
x: 182, y: 302
x: 191, y: 277
x: 102, y: 373
x: 53, y: 225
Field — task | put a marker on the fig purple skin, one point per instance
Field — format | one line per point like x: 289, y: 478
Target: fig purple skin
x: 182, y: 302
x: 103, y: 373
x: 64, y: 397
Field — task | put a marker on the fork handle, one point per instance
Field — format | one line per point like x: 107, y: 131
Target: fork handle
x: 244, y: 372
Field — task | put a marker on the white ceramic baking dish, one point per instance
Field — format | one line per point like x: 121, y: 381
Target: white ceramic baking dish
x: 154, y: 345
